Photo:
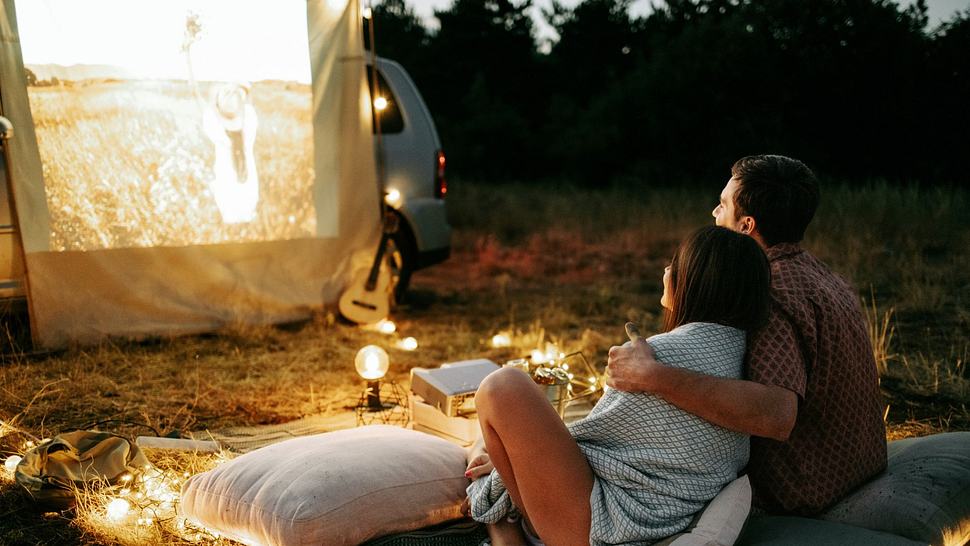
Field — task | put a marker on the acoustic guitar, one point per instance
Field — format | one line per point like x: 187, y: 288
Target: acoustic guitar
x: 368, y: 298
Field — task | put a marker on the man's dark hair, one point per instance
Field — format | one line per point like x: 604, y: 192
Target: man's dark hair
x: 779, y: 192
x: 720, y: 276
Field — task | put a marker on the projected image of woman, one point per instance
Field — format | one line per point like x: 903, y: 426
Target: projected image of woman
x: 229, y: 121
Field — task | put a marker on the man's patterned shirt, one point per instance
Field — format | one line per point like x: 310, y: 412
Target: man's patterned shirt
x: 815, y: 344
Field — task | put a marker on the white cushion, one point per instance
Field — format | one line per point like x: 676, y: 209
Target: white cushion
x: 337, y: 488
x: 721, y: 521
x: 924, y: 494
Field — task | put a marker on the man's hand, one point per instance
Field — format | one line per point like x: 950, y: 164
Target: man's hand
x: 479, y: 466
x: 632, y: 366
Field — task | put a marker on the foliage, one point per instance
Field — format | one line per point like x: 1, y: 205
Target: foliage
x: 856, y: 88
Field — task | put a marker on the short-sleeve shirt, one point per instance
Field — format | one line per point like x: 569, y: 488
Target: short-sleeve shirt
x: 815, y: 344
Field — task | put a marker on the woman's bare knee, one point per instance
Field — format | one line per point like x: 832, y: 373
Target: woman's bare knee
x: 500, y: 388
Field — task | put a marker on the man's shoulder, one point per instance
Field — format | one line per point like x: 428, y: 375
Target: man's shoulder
x: 802, y: 276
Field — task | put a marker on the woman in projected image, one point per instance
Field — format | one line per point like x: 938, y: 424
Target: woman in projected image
x: 637, y: 468
x: 229, y: 121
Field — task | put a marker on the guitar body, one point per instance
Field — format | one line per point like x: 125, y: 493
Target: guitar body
x: 362, y: 306
x: 368, y: 298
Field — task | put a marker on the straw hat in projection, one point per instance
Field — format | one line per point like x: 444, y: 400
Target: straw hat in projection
x: 229, y: 102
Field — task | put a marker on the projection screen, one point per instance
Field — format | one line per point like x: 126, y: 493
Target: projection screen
x: 183, y: 164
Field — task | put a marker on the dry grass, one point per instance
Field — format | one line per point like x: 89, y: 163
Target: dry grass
x: 542, y: 263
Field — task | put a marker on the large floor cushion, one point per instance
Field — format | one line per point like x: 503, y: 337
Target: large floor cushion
x: 339, y: 488
x: 924, y: 494
x: 794, y: 531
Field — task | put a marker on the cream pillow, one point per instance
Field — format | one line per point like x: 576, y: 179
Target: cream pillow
x: 721, y: 521
x: 337, y: 488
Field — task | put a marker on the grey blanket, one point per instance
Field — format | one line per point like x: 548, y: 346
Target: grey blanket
x: 654, y: 465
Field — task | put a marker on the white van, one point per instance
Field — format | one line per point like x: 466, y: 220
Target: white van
x: 414, y: 166
x: 414, y: 172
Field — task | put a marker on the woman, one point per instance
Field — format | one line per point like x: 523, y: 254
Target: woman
x: 636, y: 469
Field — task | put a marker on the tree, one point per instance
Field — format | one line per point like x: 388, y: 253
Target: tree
x: 484, y: 66
x: 399, y: 35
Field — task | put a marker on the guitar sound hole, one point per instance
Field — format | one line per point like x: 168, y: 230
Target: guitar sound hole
x: 365, y: 305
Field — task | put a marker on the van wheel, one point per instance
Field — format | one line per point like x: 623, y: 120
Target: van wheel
x: 401, y: 254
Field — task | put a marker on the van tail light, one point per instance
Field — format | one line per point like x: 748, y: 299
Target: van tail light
x: 440, y: 185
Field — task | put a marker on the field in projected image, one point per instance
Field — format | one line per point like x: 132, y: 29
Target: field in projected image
x: 127, y: 164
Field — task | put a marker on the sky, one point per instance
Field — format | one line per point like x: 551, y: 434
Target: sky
x: 939, y: 10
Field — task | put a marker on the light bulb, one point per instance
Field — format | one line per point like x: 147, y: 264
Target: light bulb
x: 118, y: 509
x: 408, y: 344
x: 538, y: 357
x: 371, y: 362
x: 380, y: 104
x: 385, y: 326
x: 501, y: 340
x: 11, y: 463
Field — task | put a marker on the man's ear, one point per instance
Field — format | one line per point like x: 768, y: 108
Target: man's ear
x: 747, y: 225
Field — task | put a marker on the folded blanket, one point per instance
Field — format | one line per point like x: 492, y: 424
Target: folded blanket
x: 490, y: 500
x: 654, y: 465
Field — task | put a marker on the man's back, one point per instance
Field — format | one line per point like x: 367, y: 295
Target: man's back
x: 817, y: 345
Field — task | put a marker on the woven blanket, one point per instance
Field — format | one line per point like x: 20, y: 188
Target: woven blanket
x: 654, y: 464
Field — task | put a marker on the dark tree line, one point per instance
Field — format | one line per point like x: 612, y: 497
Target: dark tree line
x: 856, y: 88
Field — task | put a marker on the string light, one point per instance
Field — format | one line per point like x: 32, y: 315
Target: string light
x: 117, y: 510
x: 11, y: 463
x: 386, y: 326
x: 408, y: 344
x: 501, y: 340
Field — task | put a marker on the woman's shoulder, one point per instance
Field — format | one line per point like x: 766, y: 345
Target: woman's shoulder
x: 700, y: 345
x: 699, y: 332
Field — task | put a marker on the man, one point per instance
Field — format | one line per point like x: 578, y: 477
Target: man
x: 811, y: 402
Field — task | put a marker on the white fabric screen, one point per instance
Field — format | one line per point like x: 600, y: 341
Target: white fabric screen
x: 183, y: 164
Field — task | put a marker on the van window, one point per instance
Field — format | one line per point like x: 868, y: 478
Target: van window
x: 391, y: 120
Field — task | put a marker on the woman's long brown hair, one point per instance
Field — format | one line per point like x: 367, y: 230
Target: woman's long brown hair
x: 719, y: 276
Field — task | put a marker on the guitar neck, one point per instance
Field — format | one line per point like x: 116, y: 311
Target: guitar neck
x: 376, y: 268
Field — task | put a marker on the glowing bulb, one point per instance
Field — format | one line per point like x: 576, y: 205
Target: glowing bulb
x: 368, y: 13
x: 501, y: 340
x: 118, y: 509
x: 11, y: 463
x: 565, y: 367
x: 380, y: 104
x: 538, y: 357
x: 393, y: 198
x: 371, y: 362
x: 408, y: 344
x: 385, y: 326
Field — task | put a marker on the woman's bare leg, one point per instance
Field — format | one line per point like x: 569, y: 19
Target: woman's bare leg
x: 506, y: 533
x: 540, y: 463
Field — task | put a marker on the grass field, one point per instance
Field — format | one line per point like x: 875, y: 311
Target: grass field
x: 126, y: 164
x: 543, y: 263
